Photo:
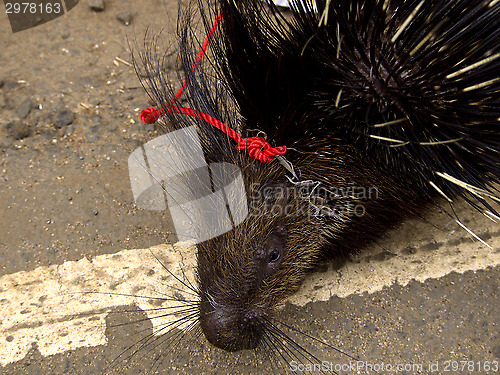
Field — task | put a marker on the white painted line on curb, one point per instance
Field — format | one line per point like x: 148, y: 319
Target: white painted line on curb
x: 49, y: 305
x: 52, y: 306
x: 365, y: 275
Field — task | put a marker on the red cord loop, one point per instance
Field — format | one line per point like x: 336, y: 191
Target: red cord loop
x: 257, y: 147
x: 149, y: 115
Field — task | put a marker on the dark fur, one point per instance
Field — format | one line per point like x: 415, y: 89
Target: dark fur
x: 282, y: 75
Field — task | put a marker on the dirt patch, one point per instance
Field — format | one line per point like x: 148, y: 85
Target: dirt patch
x: 69, y: 105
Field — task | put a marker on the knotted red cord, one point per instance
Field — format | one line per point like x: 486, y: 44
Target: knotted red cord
x: 256, y: 147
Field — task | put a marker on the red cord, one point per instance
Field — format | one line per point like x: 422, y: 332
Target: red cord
x: 257, y: 147
x: 198, y: 59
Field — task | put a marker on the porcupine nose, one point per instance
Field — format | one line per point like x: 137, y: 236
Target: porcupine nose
x: 233, y: 331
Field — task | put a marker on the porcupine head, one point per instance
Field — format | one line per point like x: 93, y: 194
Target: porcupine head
x: 318, y: 82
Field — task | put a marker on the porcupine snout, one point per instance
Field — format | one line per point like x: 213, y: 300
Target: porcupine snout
x: 233, y: 330
x: 234, y: 302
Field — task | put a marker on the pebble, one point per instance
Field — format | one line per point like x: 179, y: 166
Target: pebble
x: 96, y: 5
x: 63, y: 118
x: 24, y: 109
x: 17, y: 130
x: 124, y: 17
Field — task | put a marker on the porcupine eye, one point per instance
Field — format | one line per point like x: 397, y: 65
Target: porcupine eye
x: 274, y: 256
x: 269, y: 255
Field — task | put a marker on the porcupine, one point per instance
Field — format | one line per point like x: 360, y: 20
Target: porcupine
x: 398, y: 96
